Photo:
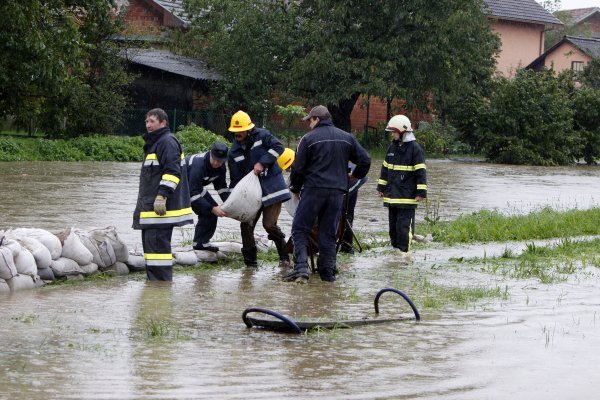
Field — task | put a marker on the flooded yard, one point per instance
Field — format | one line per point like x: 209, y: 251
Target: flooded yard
x: 125, y: 338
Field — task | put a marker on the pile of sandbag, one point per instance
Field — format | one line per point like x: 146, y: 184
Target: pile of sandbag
x: 30, y: 256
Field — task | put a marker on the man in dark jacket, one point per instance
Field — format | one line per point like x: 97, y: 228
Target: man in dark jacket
x: 204, y: 169
x: 320, y: 172
x: 402, y: 183
x: 256, y: 149
x: 164, y: 198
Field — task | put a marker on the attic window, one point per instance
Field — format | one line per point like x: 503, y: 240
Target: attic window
x: 577, y: 66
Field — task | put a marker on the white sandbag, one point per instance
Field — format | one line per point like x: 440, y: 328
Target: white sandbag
x: 14, y: 246
x: 25, y: 263
x: 46, y: 274
x: 7, y: 263
x: 103, y: 254
x: 89, y: 269
x: 245, y: 199
x: 136, y: 263
x: 20, y: 282
x: 40, y: 253
x: 4, y: 288
x: 185, y: 258
x: 292, y: 204
x: 65, y: 267
x: 228, y: 247
x: 48, y: 239
x: 206, y: 256
x: 37, y: 281
x: 109, y: 234
x: 75, y: 250
x: 117, y: 268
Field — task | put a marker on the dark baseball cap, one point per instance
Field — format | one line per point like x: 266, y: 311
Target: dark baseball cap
x: 318, y: 112
x: 218, y: 151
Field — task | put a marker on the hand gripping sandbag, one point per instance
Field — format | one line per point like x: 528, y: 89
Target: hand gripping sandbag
x: 245, y: 199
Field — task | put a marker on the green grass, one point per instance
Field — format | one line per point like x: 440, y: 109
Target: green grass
x: 436, y: 296
x: 485, y: 226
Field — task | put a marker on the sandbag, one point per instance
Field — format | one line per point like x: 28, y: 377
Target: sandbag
x: 25, y: 263
x: 48, y: 239
x: 292, y: 204
x: 20, y: 282
x: 65, y: 267
x: 4, y: 288
x: 89, y: 269
x: 75, y: 250
x: 206, y: 256
x: 103, y: 254
x: 109, y: 234
x: 40, y: 253
x: 7, y: 263
x: 245, y: 199
x: 228, y: 247
x: 117, y: 268
x: 136, y: 263
x: 46, y: 274
x: 185, y: 258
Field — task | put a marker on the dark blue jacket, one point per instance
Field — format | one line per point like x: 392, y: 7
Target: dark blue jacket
x: 260, y: 146
x: 322, y: 159
x: 162, y: 173
x: 403, y: 175
x: 201, y: 174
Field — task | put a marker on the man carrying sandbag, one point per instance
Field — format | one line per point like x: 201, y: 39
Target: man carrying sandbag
x: 164, y: 196
x: 256, y: 149
x: 204, y: 169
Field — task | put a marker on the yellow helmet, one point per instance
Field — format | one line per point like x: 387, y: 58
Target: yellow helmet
x: 240, y: 122
x: 286, y: 158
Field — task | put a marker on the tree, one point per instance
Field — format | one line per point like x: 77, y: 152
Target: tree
x: 330, y: 52
x: 58, y: 72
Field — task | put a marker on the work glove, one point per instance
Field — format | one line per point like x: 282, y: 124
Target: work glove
x: 160, y: 205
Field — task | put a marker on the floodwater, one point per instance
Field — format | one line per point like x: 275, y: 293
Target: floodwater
x: 94, y: 340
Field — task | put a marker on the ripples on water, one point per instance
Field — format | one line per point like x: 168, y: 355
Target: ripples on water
x: 90, y: 340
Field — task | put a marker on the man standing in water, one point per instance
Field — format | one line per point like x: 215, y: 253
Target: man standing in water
x: 256, y: 149
x: 163, y: 197
x: 402, y: 183
x: 320, y: 172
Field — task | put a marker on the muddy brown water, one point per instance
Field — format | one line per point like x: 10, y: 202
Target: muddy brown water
x: 94, y: 340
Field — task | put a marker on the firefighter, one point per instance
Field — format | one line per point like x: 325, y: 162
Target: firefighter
x: 402, y: 183
x: 204, y: 169
x: 256, y: 149
x: 320, y: 173
x: 163, y: 198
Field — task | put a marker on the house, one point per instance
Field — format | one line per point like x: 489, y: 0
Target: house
x: 572, y: 52
x: 588, y: 19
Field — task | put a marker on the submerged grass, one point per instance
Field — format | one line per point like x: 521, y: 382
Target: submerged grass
x: 485, y: 225
x: 436, y: 296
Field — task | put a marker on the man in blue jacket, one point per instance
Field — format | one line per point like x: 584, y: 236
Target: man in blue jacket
x: 256, y: 149
x: 320, y: 172
x: 204, y: 169
x: 163, y: 198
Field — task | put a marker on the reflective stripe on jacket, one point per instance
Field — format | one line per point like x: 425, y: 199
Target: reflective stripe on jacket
x: 162, y: 173
x: 260, y: 146
x: 403, y: 175
x: 201, y: 174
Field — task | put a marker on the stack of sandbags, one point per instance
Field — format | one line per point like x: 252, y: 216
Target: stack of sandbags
x: 17, y: 266
x: 43, y: 245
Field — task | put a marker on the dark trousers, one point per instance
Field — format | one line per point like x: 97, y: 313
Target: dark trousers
x: 348, y: 238
x: 270, y: 216
x: 157, y: 253
x: 326, y: 206
x: 206, y: 226
x: 402, y: 226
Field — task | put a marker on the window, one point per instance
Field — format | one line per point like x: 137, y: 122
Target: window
x: 577, y: 66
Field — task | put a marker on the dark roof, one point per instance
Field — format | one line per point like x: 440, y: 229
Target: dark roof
x: 175, y: 7
x: 588, y: 46
x: 164, y: 60
x: 579, y: 14
x: 521, y: 10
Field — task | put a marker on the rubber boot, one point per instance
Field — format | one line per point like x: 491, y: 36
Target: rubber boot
x: 300, y: 271
x: 284, y: 258
x: 250, y: 257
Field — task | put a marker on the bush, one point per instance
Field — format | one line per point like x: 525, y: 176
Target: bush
x: 10, y: 150
x: 586, y: 103
x: 109, y: 148
x: 436, y: 138
x: 195, y: 139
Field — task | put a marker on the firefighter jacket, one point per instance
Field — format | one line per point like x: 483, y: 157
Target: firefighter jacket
x: 162, y: 173
x: 260, y: 146
x: 201, y: 174
x: 403, y: 175
x: 322, y: 159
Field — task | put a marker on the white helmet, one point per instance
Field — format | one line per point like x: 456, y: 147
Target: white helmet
x: 399, y: 122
